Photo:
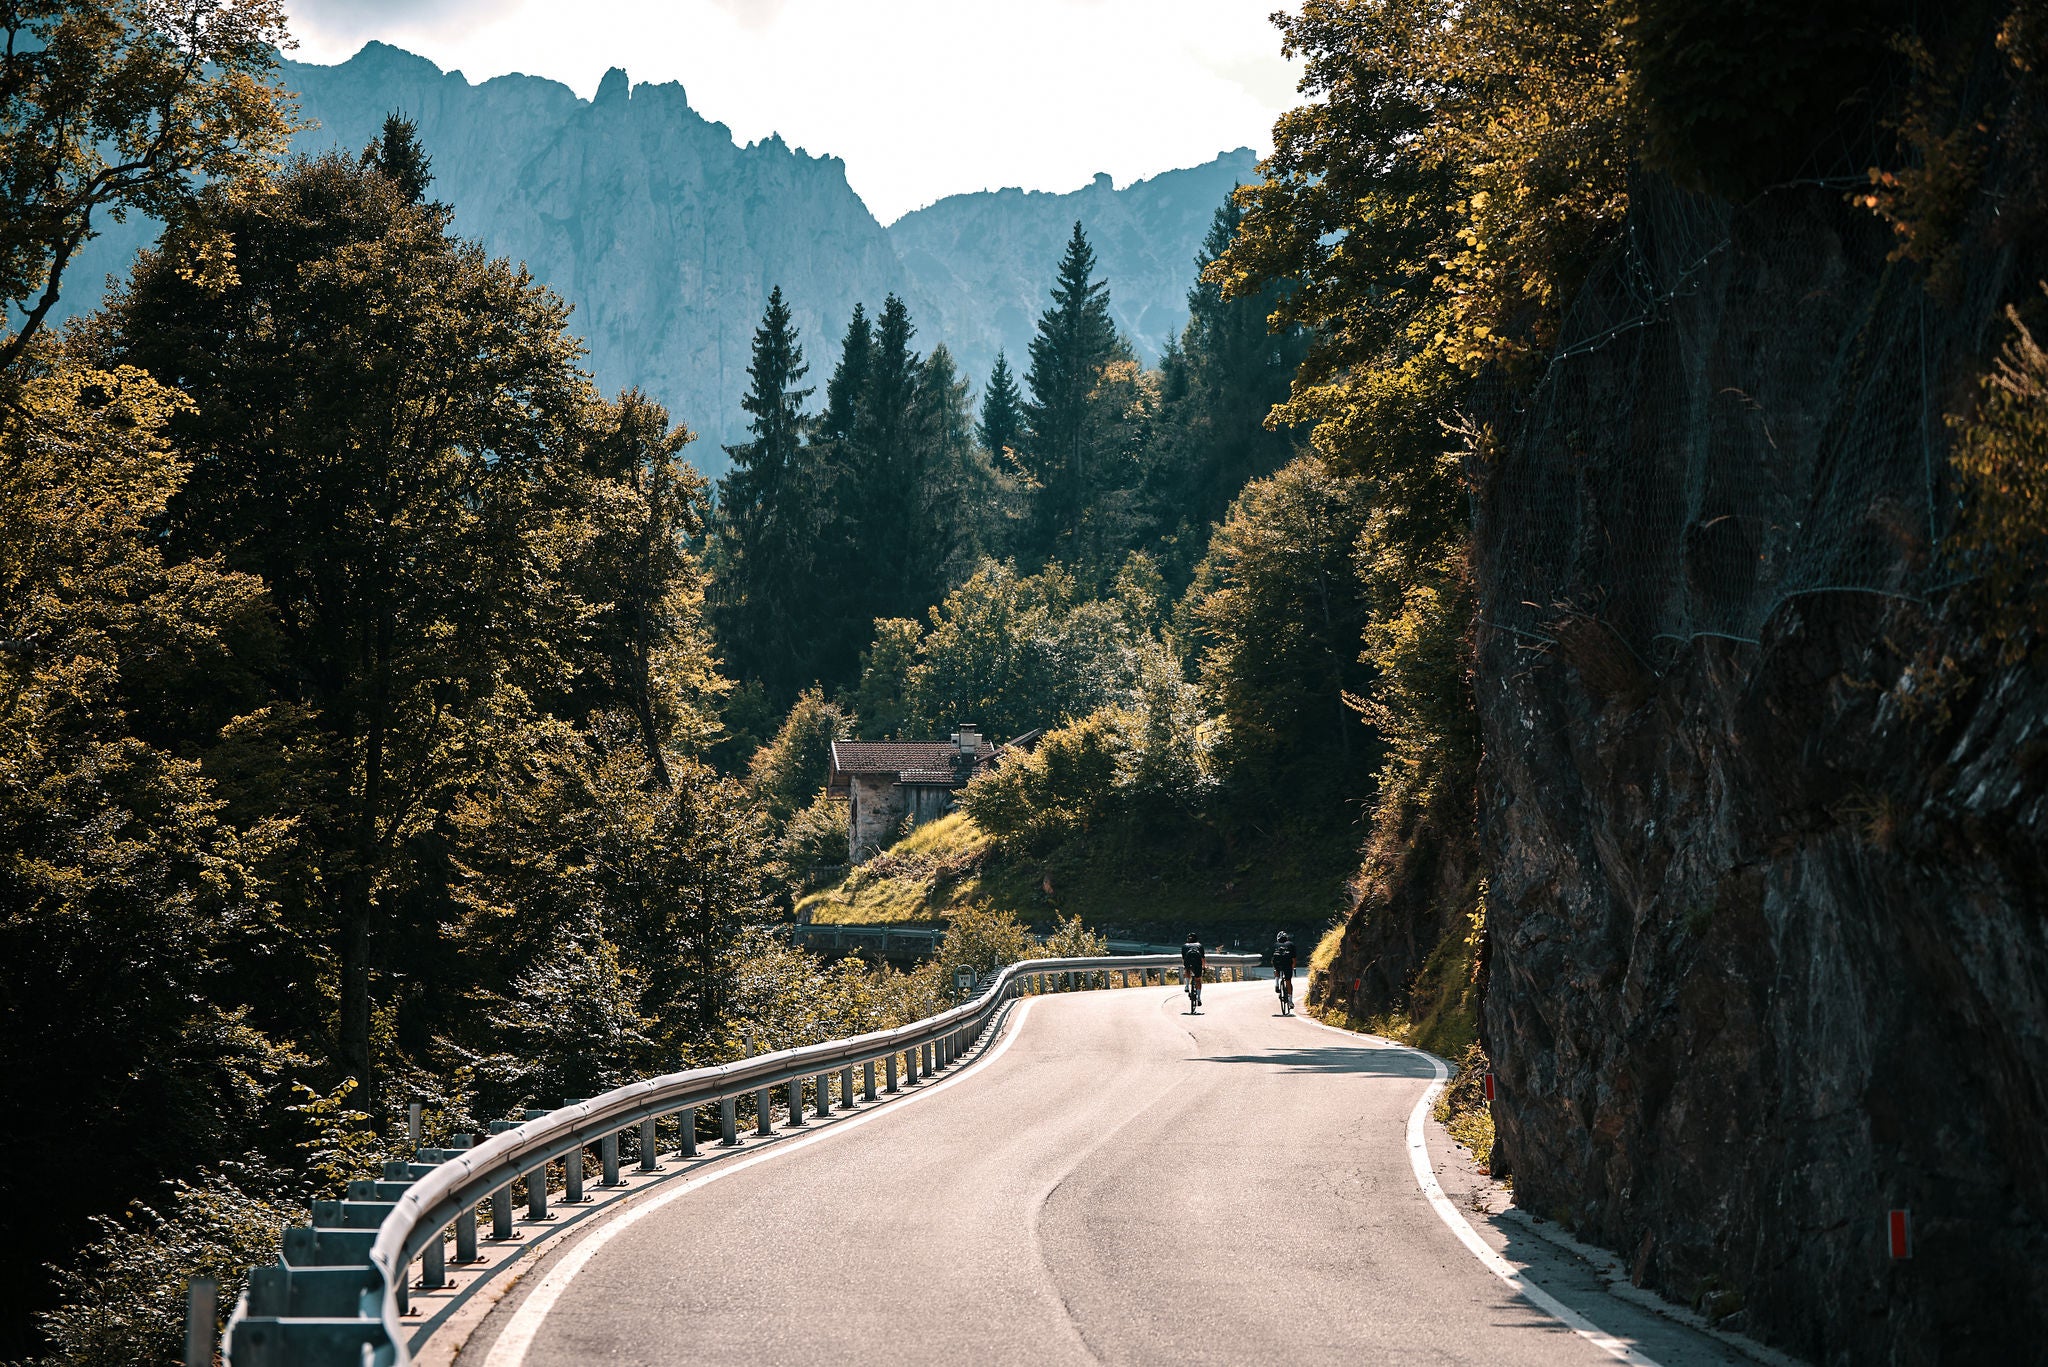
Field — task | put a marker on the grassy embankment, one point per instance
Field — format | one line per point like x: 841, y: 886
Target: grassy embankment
x: 950, y: 864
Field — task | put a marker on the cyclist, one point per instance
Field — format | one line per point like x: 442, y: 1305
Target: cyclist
x: 1283, y: 971
x: 1192, y: 964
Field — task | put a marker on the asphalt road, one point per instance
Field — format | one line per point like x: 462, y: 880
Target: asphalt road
x: 1123, y: 1182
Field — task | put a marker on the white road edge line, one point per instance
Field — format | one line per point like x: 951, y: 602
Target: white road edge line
x: 1425, y: 1176
x: 511, y: 1346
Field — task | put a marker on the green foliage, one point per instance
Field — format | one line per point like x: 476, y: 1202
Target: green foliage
x: 1084, y: 391
x: 396, y: 155
x: 1462, y: 1107
x: 790, y: 770
x: 985, y: 940
x: 115, y: 107
x: 883, y: 698
x: 812, y: 844
x: 570, y: 1027
x: 381, y: 423
x: 2001, y: 463
x: 130, y: 894
x: 1017, y: 652
x: 1071, y: 939
x: 344, y: 1146
x: 1217, y: 386
x: 1058, y: 791
x: 1002, y: 411
x: 1276, y: 610
x: 124, y: 1293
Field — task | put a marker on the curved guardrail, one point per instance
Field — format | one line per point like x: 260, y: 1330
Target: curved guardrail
x: 335, y: 1297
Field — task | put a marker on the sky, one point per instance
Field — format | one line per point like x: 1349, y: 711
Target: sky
x: 921, y: 98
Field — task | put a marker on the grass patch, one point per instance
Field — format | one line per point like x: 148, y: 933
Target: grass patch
x: 1463, y: 1110
x: 1154, y: 895
x: 922, y: 877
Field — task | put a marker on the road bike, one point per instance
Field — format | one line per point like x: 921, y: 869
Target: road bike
x: 1192, y: 984
x: 1283, y: 984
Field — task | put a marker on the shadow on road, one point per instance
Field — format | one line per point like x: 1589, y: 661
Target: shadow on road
x: 1375, y: 1062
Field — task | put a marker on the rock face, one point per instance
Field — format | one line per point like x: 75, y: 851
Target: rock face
x: 667, y: 236
x: 1768, y: 954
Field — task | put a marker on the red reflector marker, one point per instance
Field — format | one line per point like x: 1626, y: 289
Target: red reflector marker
x: 1901, y: 1226
x: 1489, y: 1086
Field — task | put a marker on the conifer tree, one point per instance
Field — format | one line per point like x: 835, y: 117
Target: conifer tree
x: 1075, y: 340
x: 1218, y: 381
x: 397, y: 155
x: 888, y: 459
x: 849, y: 378
x: 770, y: 506
x: 1002, y: 410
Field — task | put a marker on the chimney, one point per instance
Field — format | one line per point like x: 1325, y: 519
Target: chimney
x: 968, y: 738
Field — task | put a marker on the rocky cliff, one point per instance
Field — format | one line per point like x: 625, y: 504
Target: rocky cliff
x: 1766, y: 833
x: 667, y: 235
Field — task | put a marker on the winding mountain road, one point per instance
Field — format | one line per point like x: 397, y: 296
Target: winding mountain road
x: 1114, y: 1181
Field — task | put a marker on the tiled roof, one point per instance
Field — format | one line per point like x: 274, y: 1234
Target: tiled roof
x: 949, y: 777
x: 897, y: 756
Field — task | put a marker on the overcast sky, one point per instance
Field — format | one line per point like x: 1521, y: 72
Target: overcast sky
x: 923, y: 98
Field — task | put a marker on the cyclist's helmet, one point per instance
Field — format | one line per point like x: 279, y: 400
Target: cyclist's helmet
x: 1193, y: 938
x: 1283, y: 938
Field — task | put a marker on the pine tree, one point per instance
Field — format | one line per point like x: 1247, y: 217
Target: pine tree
x: 849, y: 378
x: 1075, y: 340
x: 1218, y: 382
x: 889, y: 460
x: 770, y: 505
x: 1002, y: 410
x: 397, y: 155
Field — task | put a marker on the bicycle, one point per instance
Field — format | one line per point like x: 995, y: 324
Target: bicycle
x: 1283, y: 987
x: 1191, y: 983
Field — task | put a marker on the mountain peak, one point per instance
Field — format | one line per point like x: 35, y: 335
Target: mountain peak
x: 612, y: 88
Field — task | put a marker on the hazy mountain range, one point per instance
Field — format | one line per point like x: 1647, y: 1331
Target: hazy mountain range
x: 667, y: 235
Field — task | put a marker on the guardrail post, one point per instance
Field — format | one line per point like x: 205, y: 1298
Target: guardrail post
x: 465, y: 1219
x: 824, y: 1085
x: 846, y: 1088
x: 888, y: 1073
x: 202, y: 1297
x: 608, y: 1158
x: 686, y: 1121
x: 572, y: 1165
x: 434, y: 1264
x: 910, y: 1057
x: 796, y: 1102
x: 501, y: 1199
x: 867, y: 1080
x: 650, y: 1157
x: 729, y: 1121
x: 537, y: 1184
x: 764, y: 1111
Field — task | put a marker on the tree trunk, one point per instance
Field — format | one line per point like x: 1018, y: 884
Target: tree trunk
x: 354, y: 949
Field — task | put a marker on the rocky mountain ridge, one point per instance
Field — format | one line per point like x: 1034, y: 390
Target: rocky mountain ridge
x: 667, y: 234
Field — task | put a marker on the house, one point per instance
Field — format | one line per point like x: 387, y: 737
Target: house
x: 884, y: 781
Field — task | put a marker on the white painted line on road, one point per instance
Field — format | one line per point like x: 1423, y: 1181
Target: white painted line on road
x: 512, y: 1345
x: 1448, y: 1212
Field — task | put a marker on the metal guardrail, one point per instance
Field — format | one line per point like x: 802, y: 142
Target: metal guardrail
x: 335, y: 1297
x: 883, y: 938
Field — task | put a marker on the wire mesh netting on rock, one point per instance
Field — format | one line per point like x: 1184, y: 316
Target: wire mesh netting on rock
x: 1746, y: 406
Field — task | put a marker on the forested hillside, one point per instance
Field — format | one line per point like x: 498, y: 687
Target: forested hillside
x: 1580, y: 554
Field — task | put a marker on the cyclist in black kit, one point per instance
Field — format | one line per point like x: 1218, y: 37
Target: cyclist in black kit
x: 1192, y: 962
x: 1283, y: 971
